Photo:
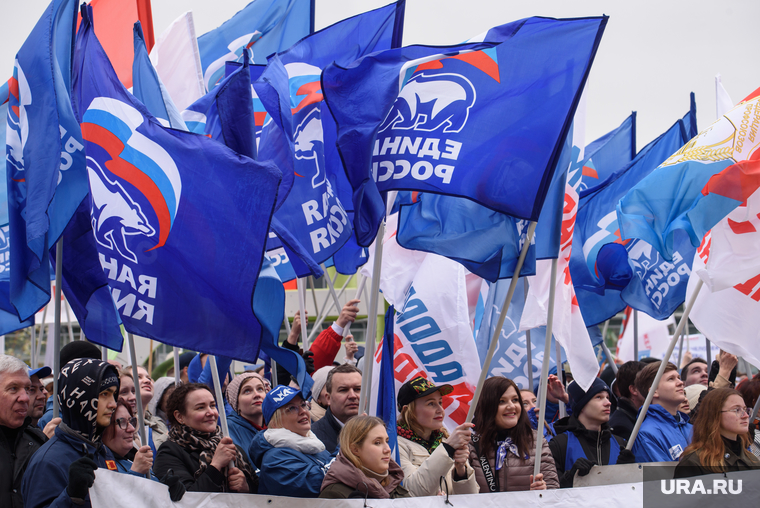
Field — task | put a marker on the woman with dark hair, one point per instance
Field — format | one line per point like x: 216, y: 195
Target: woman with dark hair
x: 502, y: 451
x: 119, y: 438
x: 363, y: 467
x: 750, y: 390
x: 720, y: 440
x: 196, y: 451
x: 426, y: 450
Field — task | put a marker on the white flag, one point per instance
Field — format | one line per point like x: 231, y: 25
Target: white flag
x: 723, y: 102
x: 569, y: 329
x: 433, y: 337
x: 178, y: 63
x: 654, y: 338
x: 729, y: 318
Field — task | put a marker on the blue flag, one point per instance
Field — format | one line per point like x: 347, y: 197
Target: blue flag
x: 45, y: 162
x: 386, y: 392
x: 148, y: 88
x: 180, y: 220
x: 610, y: 273
x: 511, y: 357
x: 290, y: 90
x: 610, y: 153
x: 485, y: 121
x: 486, y: 242
x: 263, y: 26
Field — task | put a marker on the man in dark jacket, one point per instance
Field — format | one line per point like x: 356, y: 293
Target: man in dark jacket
x: 343, y: 388
x: 624, y: 417
x: 18, y: 438
x: 63, y: 469
x: 584, y: 438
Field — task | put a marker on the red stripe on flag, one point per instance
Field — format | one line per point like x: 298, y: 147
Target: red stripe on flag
x: 587, y: 171
x: 738, y: 181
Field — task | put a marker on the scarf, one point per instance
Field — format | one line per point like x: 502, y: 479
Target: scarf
x: 205, y: 444
x: 501, y: 451
x: 435, y: 437
x: 343, y: 471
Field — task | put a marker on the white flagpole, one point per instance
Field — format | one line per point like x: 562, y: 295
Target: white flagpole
x: 369, y: 345
x: 57, y: 331
x: 500, y: 323
x: 544, y: 381
x: 219, y: 398
x: 359, y: 289
x: 661, y: 370
x: 636, y: 335
x: 528, y: 346
x: 302, y: 306
x: 140, y: 414
x: 332, y: 289
x: 324, y: 314
x: 33, y: 349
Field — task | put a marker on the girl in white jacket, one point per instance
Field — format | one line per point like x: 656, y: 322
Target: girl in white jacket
x: 426, y: 450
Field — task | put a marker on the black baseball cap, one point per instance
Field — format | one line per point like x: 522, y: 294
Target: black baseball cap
x: 418, y: 388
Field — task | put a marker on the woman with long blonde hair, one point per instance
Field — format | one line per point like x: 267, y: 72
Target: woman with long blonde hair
x: 720, y: 440
x: 364, y: 467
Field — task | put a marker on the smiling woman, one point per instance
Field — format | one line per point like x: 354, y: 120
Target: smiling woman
x: 196, y: 451
x: 502, y: 452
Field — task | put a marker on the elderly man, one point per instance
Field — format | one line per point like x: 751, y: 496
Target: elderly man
x: 19, y: 439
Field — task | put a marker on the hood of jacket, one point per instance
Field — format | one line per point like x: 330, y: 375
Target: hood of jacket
x: 658, y: 413
x: 283, y: 438
x: 78, y: 389
x: 343, y: 471
x: 159, y: 388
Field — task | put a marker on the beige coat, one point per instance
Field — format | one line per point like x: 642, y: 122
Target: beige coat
x: 515, y: 475
x: 422, y: 470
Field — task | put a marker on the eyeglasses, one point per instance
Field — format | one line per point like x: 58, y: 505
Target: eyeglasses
x: 739, y: 411
x: 296, y: 408
x: 124, y: 423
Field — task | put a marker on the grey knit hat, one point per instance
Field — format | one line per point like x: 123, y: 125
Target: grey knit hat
x: 233, y: 389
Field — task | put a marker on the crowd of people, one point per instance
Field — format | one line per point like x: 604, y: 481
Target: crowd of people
x: 281, y: 443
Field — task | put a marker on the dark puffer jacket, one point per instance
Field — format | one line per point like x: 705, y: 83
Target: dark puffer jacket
x: 14, y: 457
x: 47, y: 476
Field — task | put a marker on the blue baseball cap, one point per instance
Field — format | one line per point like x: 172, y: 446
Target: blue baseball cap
x: 276, y: 398
x: 41, y: 373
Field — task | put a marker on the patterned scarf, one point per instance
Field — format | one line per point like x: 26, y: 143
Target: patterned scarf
x: 435, y: 437
x: 205, y: 444
x: 501, y: 451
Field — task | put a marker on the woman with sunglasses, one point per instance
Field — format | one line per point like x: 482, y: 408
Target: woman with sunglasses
x: 720, y: 440
x: 119, y: 438
x: 291, y: 459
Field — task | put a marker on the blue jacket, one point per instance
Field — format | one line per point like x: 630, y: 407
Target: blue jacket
x: 241, y: 431
x: 47, y: 415
x: 47, y: 475
x: 662, y: 437
x: 286, y: 471
x: 125, y: 466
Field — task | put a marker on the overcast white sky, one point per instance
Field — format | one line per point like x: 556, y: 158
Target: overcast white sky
x: 653, y: 53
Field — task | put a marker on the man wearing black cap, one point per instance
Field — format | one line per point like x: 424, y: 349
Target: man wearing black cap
x: 19, y: 439
x: 71, y: 351
x: 584, y: 438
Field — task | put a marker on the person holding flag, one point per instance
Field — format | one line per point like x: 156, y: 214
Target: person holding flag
x: 427, y: 452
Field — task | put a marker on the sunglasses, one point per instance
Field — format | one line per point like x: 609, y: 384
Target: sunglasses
x: 124, y: 423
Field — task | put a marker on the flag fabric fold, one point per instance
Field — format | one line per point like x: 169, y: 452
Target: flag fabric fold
x: 180, y: 221
x: 481, y: 120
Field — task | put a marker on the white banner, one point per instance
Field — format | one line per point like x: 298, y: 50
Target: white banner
x: 119, y: 490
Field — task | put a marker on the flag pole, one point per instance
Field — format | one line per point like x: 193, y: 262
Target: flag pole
x: 176, y: 367
x: 636, y: 335
x: 301, y: 287
x: 708, y: 352
x: 332, y: 289
x: 136, y: 378
x: 544, y: 381
x: 321, y: 318
x: 57, y: 331
x: 680, y: 351
x: 528, y: 345
x: 608, y: 354
x: 661, y: 370
x: 560, y: 369
x: 219, y: 399
x: 321, y: 311
x: 33, y: 349
x: 359, y: 289
x: 369, y: 344
x: 500, y: 323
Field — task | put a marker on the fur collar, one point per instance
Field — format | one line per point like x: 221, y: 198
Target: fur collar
x: 283, y: 438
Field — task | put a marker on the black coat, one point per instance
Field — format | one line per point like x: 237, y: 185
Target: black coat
x: 623, y: 419
x: 14, y: 457
x: 596, y: 446
x: 184, y: 464
x: 327, y: 429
